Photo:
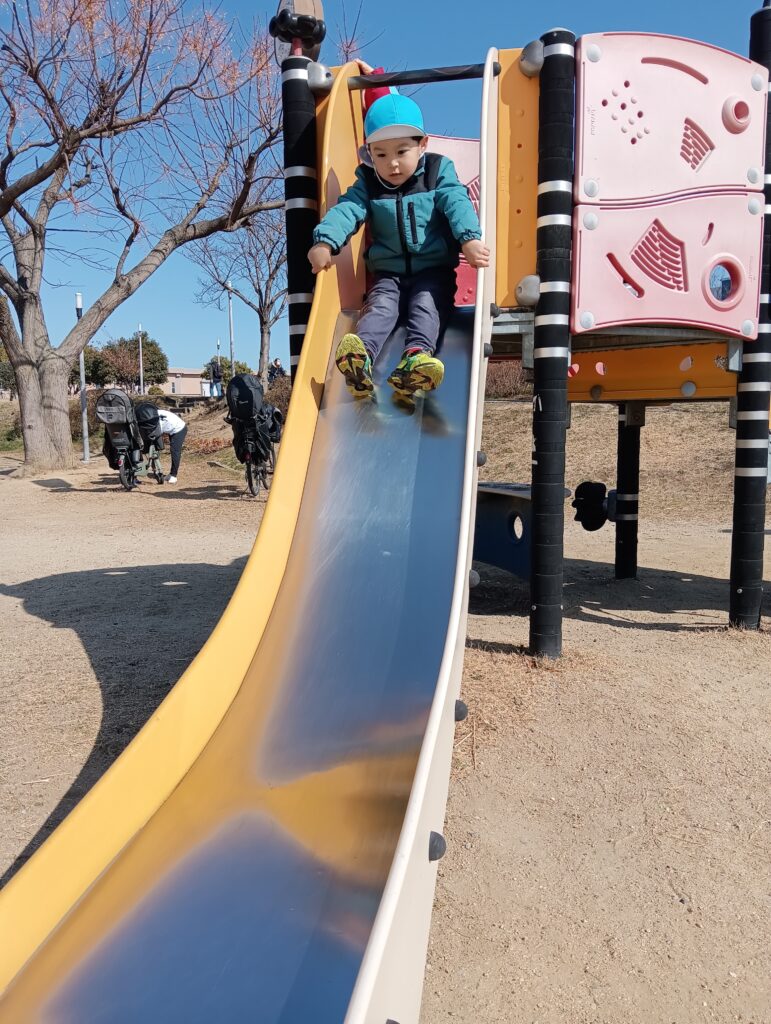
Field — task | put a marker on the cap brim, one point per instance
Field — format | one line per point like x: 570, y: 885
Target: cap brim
x: 395, y: 131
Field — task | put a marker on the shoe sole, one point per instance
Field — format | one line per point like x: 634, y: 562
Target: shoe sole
x: 412, y: 381
x: 357, y: 380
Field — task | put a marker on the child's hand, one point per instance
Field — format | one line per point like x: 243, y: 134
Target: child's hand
x: 364, y: 67
x: 320, y: 257
x: 477, y: 253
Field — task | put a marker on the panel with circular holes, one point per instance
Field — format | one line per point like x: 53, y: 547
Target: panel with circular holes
x: 660, y: 116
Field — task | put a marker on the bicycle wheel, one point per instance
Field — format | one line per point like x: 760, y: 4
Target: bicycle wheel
x: 252, y: 478
x: 155, y: 469
x: 126, y: 473
x: 272, y: 459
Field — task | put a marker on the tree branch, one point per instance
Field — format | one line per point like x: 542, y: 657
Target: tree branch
x: 8, y: 333
x: 32, y: 179
x: 9, y: 285
x: 123, y: 288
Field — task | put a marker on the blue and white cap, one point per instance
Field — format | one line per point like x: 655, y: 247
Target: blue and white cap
x: 393, y: 117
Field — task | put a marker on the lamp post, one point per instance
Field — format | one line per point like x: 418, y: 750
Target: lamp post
x: 141, y: 364
x: 229, y: 288
x: 83, y: 399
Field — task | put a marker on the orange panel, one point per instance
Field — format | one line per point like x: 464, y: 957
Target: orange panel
x: 517, y: 176
x: 675, y: 373
x: 337, y: 162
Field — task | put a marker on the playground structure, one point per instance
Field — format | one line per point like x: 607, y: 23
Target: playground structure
x: 266, y: 847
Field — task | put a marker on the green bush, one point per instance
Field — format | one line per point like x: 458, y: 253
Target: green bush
x: 155, y: 391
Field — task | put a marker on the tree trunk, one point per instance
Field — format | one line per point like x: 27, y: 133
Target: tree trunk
x: 264, y: 356
x: 39, y: 450
x: 44, y: 414
x: 42, y: 375
x: 54, y: 373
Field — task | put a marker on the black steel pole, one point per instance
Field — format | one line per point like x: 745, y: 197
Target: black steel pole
x: 752, y: 406
x: 421, y: 76
x: 627, y: 497
x: 552, y: 338
x: 301, y: 192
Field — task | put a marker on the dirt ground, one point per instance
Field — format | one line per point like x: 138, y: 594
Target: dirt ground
x: 609, y: 822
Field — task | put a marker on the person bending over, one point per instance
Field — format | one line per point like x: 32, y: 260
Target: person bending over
x: 176, y: 428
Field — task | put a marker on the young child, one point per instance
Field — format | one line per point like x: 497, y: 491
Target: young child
x: 419, y: 217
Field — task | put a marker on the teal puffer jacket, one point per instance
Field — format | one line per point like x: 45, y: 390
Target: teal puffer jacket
x: 421, y: 224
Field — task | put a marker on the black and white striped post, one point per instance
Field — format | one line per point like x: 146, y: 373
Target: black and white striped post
x: 752, y: 406
x: 627, y: 494
x: 301, y: 193
x: 552, y: 338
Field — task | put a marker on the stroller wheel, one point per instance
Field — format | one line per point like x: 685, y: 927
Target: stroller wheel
x: 127, y: 475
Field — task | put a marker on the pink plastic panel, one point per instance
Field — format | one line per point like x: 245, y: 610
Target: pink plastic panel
x: 464, y: 153
x: 660, y: 116
x: 655, y: 264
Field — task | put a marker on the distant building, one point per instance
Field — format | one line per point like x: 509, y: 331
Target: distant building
x: 721, y: 283
x: 184, y: 381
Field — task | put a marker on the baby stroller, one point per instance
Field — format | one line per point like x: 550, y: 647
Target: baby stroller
x: 150, y: 427
x: 132, y: 437
x: 253, y: 435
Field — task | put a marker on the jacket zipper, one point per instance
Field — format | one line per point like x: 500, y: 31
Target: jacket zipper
x: 403, y: 233
x: 413, y: 223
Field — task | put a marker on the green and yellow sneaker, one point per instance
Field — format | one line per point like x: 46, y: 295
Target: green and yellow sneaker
x: 417, y: 371
x: 354, y: 363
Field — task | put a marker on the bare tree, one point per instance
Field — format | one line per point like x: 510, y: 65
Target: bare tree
x: 139, y: 125
x: 252, y: 266
x: 349, y: 34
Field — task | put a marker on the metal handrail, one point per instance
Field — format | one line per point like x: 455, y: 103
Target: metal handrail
x: 422, y: 76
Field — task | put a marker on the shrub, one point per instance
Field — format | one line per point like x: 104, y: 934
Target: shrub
x: 207, y: 445
x: 279, y: 393
x: 506, y: 379
x: 12, y: 432
x: 154, y: 390
x: 75, y: 420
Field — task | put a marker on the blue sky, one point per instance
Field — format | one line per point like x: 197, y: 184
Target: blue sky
x: 410, y: 35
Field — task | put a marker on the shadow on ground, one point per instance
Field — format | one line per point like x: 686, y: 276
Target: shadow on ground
x: 55, y: 484
x: 109, y: 483
x: 140, y: 626
x: 592, y: 594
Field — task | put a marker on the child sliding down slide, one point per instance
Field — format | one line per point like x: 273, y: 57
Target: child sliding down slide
x: 420, y: 217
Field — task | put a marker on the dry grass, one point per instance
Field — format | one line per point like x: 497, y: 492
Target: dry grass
x: 279, y: 394
x: 499, y: 682
x: 686, y: 458
x: 506, y: 379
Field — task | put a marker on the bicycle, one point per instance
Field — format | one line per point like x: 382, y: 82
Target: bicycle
x: 149, y: 465
x: 255, y: 450
x: 256, y: 426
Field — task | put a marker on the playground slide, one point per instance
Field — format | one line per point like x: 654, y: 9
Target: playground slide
x: 261, y: 850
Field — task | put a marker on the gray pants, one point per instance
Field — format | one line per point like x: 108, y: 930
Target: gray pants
x: 422, y: 302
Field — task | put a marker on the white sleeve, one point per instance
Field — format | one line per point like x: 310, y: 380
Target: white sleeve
x: 171, y: 423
